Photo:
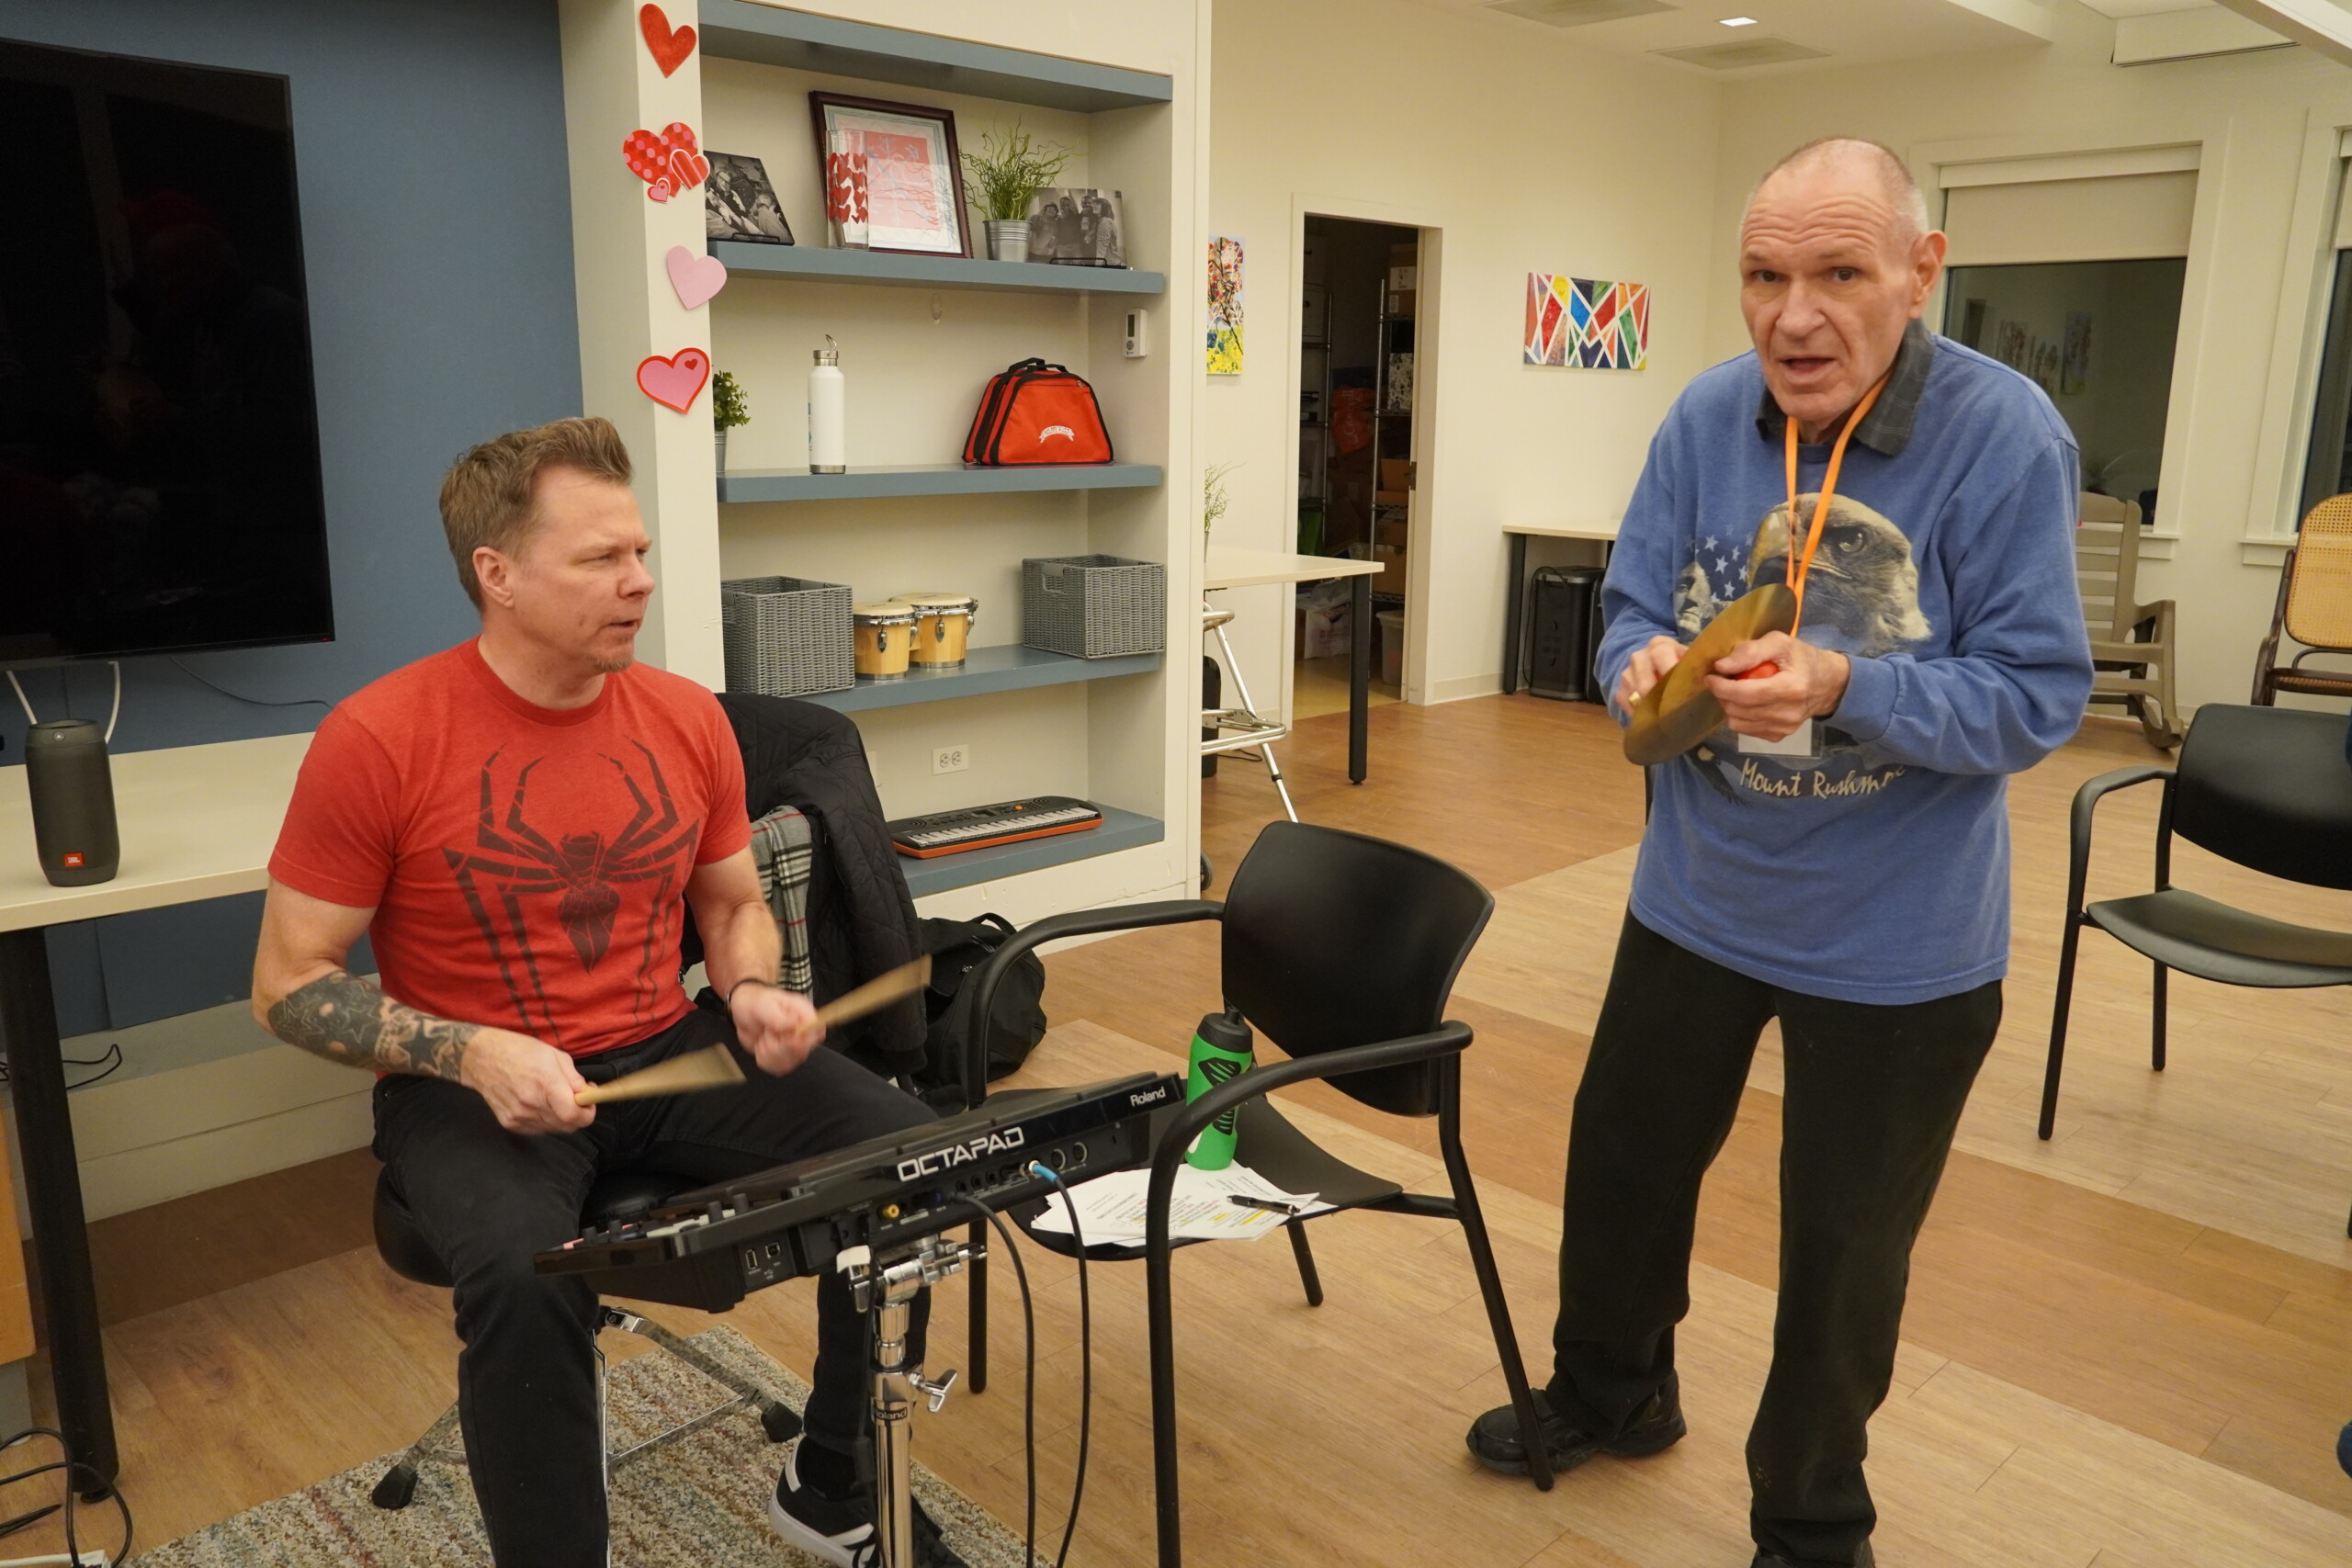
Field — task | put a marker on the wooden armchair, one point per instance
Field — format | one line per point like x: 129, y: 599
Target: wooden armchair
x: 2132, y: 643
x: 2314, y: 608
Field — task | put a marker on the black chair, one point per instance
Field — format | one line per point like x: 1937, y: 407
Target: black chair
x: 1341, y: 949
x: 624, y: 1196
x: 2266, y: 788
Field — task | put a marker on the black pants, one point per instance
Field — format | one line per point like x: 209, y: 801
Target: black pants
x: 488, y: 1200
x: 1874, y: 1096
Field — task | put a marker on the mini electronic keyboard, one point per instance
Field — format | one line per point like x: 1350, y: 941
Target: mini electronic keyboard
x: 978, y: 827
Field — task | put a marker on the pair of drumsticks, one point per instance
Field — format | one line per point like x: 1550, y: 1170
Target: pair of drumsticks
x: 715, y: 1067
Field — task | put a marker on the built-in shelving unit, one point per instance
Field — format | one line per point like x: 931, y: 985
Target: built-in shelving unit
x: 819, y: 263
x: 1120, y: 830
x: 930, y: 479
x: 1008, y: 667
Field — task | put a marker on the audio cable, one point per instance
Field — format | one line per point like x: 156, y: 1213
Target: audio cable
x: 70, y: 1465
x: 1029, y: 1375
x: 1085, y: 1356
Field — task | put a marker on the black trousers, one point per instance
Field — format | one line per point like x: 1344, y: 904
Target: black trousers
x: 488, y: 1200
x: 1874, y: 1096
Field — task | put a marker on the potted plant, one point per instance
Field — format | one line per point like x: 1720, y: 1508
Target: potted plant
x: 729, y: 408
x: 1008, y: 171
x: 1214, y: 500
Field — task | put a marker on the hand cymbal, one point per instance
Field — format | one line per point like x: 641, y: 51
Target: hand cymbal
x: 1679, y: 711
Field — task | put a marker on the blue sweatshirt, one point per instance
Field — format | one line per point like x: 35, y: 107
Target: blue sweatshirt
x: 1876, y: 870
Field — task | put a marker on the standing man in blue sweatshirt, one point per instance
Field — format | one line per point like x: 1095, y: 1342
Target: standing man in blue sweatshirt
x: 1838, y: 855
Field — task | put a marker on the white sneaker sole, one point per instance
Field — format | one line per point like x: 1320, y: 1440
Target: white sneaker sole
x: 824, y: 1548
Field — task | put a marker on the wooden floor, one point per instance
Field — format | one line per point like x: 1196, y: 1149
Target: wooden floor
x: 2128, y: 1347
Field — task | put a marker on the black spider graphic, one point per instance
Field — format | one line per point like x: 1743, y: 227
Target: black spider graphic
x: 585, y: 873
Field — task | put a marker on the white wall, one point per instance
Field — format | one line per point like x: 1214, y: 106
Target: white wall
x: 2252, y: 302
x: 1530, y: 154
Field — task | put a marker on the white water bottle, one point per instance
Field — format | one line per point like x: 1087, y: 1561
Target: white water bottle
x: 828, y: 412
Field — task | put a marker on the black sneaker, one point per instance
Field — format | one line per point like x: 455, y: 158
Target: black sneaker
x: 840, y: 1531
x: 1863, y: 1558
x: 1656, y: 1427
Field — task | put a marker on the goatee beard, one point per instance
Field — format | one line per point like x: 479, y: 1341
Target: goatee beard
x: 614, y: 666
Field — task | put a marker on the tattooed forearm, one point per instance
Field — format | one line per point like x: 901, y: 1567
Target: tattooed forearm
x: 345, y: 1018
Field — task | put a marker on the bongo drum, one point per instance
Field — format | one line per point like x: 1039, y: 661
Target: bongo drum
x: 943, y: 627
x: 886, y: 636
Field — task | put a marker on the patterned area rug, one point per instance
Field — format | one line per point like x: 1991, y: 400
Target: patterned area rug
x: 701, y: 1501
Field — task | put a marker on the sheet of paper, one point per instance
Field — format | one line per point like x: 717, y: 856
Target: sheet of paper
x: 1111, y: 1208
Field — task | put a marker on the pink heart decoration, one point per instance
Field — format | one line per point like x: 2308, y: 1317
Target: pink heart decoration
x: 674, y: 381
x: 696, y: 278
x: 659, y: 190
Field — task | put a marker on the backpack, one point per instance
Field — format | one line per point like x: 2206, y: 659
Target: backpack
x: 1017, y: 1022
x: 1036, y: 413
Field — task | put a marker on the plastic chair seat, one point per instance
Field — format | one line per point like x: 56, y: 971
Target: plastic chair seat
x: 2192, y: 933
x: 617, y: 1196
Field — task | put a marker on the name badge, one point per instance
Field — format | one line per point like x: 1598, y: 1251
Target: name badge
x: 1801, y: 742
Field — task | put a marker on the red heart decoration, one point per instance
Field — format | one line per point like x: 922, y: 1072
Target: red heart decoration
x: 677, y: 380
x: 670, y: 48
x: 668, y: 161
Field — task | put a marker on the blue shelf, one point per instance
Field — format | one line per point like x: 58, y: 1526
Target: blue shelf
x: 1008, y: 667
x: 929, y: 479
x: 818, y: 264
x: 768, y: 35
x: 1120, y: 830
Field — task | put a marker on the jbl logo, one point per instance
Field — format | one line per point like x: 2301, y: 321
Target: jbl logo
x: 74, y: 857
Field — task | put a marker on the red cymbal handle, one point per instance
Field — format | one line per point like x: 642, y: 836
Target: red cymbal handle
x: 1761, y: 672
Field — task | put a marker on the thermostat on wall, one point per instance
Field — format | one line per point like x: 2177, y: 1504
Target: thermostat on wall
x: 1139, y: 334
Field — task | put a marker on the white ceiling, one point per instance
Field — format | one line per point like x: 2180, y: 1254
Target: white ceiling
x: 1853, y: 32
x: 2121, y: 8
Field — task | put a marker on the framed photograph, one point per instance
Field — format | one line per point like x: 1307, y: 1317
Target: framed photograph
x: 738, y: 202
x: 1075, y: 226
x: 914, y: 175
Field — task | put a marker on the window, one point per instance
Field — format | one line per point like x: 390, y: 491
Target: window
x: 2327, y: 470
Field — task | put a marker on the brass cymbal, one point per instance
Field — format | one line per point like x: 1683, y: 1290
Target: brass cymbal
x: 1679, y: 711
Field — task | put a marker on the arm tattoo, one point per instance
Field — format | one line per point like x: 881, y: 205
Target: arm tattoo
x: 347, y: 1020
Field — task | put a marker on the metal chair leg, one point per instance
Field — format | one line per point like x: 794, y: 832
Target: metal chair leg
x: 398, y: 1483
x: 2156, y: 1051
x: 1307, y: 1277
x: 1490, y: 1282
x: 2058, y: 1022
x: 776, y: 1418
x: 1241, y: 689
x: 976, y: 1276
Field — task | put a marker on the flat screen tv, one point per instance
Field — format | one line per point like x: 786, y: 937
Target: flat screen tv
x: 159, y: 440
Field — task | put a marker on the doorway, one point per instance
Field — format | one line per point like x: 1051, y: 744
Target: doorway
x: 1356, y: 475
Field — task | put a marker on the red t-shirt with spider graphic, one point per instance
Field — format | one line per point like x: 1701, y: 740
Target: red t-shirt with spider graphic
x: 528, y: 865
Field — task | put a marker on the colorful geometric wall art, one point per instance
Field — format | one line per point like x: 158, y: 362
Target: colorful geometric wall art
x: 1588, y: 322
x: 1225, y: 306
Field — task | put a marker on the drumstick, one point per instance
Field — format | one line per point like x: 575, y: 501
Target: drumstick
x: 877, y: 993
x: 711, y: 1068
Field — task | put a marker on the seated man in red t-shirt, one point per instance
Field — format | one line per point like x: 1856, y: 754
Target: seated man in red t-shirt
x: 515, y: 823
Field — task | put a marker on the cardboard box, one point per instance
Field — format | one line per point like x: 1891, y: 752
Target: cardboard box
x: 1396, y: 473
x: 1392, y: 570
x: 1391, y: 532
x: 1393, y: 496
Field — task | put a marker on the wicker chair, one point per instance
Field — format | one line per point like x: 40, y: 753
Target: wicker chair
x: 2314, y: 608
x: 2132, y: 643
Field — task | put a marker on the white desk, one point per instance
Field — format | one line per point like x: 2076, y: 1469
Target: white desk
x: 197, y: 822
x: 1515, y: 606
x: 1231, y: 567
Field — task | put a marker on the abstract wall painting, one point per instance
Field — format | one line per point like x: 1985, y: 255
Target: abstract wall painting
x: 1586, y: 322
x: 1225, y: 306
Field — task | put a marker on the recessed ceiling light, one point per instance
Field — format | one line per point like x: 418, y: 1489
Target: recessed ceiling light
x: 1739, y: 21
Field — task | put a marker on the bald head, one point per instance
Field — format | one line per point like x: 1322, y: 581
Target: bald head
x: 1836, y: 261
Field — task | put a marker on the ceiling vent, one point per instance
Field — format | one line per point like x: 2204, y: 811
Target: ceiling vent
x: 1744, y: 53
x: 1579, y: 13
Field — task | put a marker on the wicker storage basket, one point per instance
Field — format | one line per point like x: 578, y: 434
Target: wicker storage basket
x: 1094, y: 606
x: 787, y: 637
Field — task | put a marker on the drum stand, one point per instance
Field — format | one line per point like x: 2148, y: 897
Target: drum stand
x: 884, y: 1288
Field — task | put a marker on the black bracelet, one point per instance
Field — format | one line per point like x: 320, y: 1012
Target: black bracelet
x: 748, y: 980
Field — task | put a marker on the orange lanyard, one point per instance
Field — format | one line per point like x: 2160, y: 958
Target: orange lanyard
x: 1797, y: 569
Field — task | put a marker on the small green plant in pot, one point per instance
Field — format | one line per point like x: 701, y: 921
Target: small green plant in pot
x: 1214, y: 500
x: 729, y: 408
x: 1008, y: 172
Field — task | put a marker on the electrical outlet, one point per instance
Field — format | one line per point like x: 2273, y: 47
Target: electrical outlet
x: 950, y: 759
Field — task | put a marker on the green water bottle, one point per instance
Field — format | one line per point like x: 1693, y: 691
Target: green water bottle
x: 1221, y: 1052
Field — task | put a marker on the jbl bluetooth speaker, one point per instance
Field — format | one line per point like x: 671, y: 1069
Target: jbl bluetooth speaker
x: 72, y: 791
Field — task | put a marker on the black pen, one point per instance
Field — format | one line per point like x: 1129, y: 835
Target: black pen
x: 1293, y: 1210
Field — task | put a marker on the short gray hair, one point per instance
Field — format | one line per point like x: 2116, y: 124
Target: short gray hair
x: 1895, y: 174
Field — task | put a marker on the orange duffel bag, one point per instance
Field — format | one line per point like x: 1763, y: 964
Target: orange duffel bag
x: 1036, y: 413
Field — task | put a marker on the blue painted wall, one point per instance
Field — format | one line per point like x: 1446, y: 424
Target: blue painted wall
x: 437, y: 234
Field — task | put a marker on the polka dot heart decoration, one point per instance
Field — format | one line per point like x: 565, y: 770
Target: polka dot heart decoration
x: 667, y: 161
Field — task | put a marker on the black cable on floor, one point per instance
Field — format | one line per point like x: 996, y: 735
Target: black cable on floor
x: 106, y: 1063
x: 1029, y: 1377
x: 1085, y: 1358
x: 70, y: 1465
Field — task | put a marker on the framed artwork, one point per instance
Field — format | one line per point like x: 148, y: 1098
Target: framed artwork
x: 738, y: 202
x: 914, y: 173
x: 1588, y: 322
x: 1225, y: 306
x: 1076, y: 227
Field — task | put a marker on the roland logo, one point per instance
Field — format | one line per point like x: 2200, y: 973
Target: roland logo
x: 1146, y: 1097
x: 941, y: 1160
x: 1063, y: 431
